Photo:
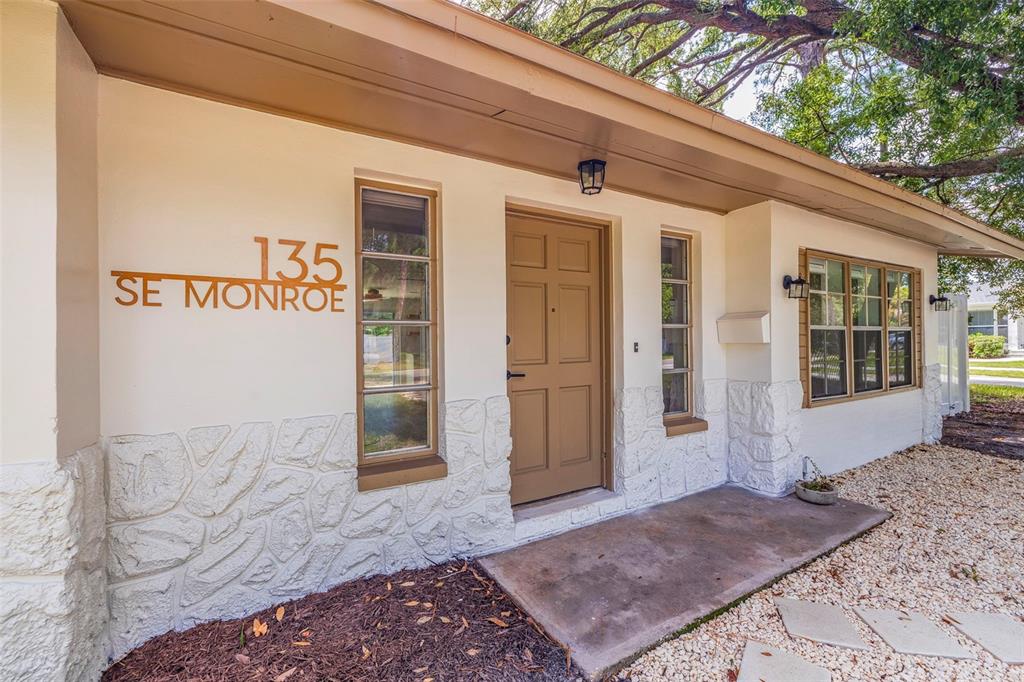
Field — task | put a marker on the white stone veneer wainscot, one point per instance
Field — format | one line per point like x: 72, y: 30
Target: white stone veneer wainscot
x: 764, y: 434
x: 220, y: 522
x: 52, y: 577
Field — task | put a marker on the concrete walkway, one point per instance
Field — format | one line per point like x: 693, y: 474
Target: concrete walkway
x: 613, y: 589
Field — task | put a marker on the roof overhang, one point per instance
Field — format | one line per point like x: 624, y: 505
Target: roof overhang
x: 438, y: 75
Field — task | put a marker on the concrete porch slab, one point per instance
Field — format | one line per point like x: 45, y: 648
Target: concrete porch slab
x: 617, y: 587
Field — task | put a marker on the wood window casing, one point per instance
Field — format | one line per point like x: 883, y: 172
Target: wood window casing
x: 677, y: 423
x: 917, y: 363
x: 407, y: 465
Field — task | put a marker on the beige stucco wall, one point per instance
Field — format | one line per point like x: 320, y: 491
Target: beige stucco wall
x: 187, y: 183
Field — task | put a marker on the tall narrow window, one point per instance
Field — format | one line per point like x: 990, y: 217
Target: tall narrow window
x: 676, y: 328
x: 397, y: 324
x: 866, y: 299
x: 899, y: 289
x: 828, y: 327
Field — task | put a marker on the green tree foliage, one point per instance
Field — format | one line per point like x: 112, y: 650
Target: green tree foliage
x: 928, y: 94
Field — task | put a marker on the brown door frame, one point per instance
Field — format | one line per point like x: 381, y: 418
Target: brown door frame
x: 604, y: 229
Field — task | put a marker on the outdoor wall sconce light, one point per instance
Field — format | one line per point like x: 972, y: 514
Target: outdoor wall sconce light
x: 591, y: 176
x: 797, y: 287
x: 940, y: 303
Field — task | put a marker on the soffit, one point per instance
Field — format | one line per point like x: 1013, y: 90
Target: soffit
x: 486, y: 91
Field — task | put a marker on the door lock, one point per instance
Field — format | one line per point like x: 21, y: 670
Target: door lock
x: 509, y: 374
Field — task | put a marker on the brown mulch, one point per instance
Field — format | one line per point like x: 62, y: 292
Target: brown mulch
x: 447, y: 622
x: 992, y: 428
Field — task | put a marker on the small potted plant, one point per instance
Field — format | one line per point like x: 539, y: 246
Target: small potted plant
x: 816, y: 488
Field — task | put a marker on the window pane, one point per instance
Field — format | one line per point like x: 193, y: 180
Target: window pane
x: 817, y: 268
x: 817, y: 309
x: 857, y: 285
x: 394, y: 289
x: 395, y: 223
x: 836, y: 310
x: 673, y: 258
x: 873, y: 281
x: 396, y: 355
x: 675, y: 390
x: 828, y: 363
x: 901, y: 359
x: 675, y: 348
x: 395, y: 421
x: 867, y: 360
x: 673, y: 303
x: 836, y: 279
x: 867, y: 311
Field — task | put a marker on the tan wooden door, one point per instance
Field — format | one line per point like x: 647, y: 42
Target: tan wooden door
x: 555, y: 332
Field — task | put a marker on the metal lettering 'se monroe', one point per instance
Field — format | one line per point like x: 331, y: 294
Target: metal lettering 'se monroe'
x: 239, y: 293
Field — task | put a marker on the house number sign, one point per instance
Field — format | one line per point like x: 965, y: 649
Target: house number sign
x: 309, y: 280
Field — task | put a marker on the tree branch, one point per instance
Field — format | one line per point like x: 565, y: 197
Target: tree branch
x: 963, y: 168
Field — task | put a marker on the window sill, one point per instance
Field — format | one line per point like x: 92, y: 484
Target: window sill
x: 867, y: 395
x: 678, y: 427
x: 389, y: 474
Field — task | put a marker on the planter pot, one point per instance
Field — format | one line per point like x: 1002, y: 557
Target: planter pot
x: 816, y: 496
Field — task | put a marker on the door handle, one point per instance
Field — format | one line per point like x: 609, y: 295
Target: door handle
x: 509, y: 374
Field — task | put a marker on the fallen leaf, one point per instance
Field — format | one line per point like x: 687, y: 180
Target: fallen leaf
x: 301, y: 643
x: 732, y: 675
x: 445, y: 619
x: 259, y: 628
x: 766, y: 653
x: 420, y: 670
x: 412, y: 602
x: 366, y: 652
x: 498, y: 621
x: 306, y: 633
x: 408, y: 583
x: 285, y: 675
x: 424, y: 619
x: 279, y: 614
x: 506, y: 613
x: 465, y: 623
x: 472, y: 652
x: 389, y: 586
x: 242, y: 658
x: 439, y: 583
x: 428, y: 605
x: 428, y: 679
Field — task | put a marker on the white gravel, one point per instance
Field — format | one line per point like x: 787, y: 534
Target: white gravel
x: 955, y: 542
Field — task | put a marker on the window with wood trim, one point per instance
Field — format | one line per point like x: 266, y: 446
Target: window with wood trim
x: 397, y: 350
x: 676, y: 328
x: 860, y: 327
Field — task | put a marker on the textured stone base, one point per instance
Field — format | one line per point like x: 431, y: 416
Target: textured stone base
x: 52, y: 579
x: 764, y: 435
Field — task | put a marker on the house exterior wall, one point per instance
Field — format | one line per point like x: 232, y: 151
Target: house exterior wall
x: 225, y: 477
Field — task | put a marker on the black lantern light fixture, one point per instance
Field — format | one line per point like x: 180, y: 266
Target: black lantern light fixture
x: 940, y: 303
x: 591, y: 176
x: 796, y: 286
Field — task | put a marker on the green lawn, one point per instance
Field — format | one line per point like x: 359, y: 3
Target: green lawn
x: 1009, y: 373
x: 1009, y: 364
x: 980, y: 393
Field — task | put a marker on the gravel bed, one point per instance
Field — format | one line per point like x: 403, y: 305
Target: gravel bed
x: 955, y: 542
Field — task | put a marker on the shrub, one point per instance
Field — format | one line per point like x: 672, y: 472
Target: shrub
x: 981, y: 346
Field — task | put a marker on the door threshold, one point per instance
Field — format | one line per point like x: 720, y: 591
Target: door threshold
x: 561, y: 503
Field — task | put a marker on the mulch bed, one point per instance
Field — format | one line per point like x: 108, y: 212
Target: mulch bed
x: 448, y: 622
x: 992, y: 428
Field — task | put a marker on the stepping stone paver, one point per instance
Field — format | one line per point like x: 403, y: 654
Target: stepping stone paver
x: 819, y: 623
x: 999, y: 634
x: 911, y: 633
x: 762, y: 663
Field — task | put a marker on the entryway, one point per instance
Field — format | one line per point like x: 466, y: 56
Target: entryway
x: 556, y: 354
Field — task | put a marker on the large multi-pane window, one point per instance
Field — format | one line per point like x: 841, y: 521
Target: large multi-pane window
x: 676, y: 328
x: 861, y: 333
x: 397, y: 324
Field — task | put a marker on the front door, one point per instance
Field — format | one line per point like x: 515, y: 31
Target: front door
x: 555, y: 355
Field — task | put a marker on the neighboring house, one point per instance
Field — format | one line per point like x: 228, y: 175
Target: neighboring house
x: 983, y: 317
x: 297, y: 292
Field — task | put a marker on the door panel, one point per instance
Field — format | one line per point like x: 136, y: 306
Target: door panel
x: 555, y: 327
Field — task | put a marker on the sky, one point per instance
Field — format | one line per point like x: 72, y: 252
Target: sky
x: 742, y: 102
